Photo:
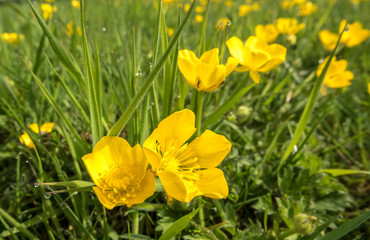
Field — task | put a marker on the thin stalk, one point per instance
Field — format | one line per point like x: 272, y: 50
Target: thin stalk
x: 198, y: 116
x: 135, y: 222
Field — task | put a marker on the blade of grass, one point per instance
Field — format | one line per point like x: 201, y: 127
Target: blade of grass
x: 15, y: 223
x: 117, y: 128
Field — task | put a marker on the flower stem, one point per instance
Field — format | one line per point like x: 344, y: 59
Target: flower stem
x: 135, y: 222
x: 287, y: 233
x: 198, y: 116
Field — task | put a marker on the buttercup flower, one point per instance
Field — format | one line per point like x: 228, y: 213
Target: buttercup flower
x: 70, y: 30
x: 307, y: 8
x: 256, y: 55
x: 187, y: 170
x: 45, y: 128
x: 268, y: 32
x: 223, y: 23
x: 245, y: 9
x: 337, y: 76
x: 198, y: 18
x: 204, y: 74
x: 75, y: 4
x: 290, y: 27
x: 170, y: 31
x: 119, y: 172
x: 12, y: 38
x: 47, y: 10
x: 355, y: 35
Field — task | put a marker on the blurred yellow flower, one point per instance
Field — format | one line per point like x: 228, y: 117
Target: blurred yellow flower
x: 199, y: 18
x: 75, y: 4
x: 355, y: 35
x: 223, y: 23
x: 337, y: 76
x: 228, y: 3
x: 186, y: 7
x: 12, y: 38
x: 368, y: 88
x: 307, y: 8
x: 47, y: 10
x: 290, y: 27
x: 244, y: 10
x: 70, y: 30
x: 256, y: 55
x: 199, y: 9
x: 268, y: 32
x: 286, y: 4
x: 187, y: 170
x: 170, y: 31
x: 358, y: 1
x: 45, y: 128
x: 205, y: 74
x: 49, y: 1
x: 119, y: 172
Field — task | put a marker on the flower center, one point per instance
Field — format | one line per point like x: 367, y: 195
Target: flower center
x: 118, y: 186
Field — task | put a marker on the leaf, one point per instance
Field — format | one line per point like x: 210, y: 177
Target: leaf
x: 340, y: 172
x: 346, y: 227
x: 178, y: 226
x: 73, y: 184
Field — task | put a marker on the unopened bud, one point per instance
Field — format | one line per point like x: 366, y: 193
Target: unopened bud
x: 304, y: 224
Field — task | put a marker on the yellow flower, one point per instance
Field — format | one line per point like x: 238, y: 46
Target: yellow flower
x: 45, y: 128
x: 307, y: 8
x: 199, y: 18
x: 223, y: 23
x: 289, y: 26
x: 355, y: 34
x: 204, y: 74
x: 368, y: 88
x: 186, y: 7
x: 268, y: 33
x: 119, y: 172
x: 47, y: 10
x: 199, y: 9
x: 229, y: 3
x: 187, y: 170
x: 244, y: 10
x: 351, y: 37
x: 337, y: 76
x: 49, y: 1
x: 75, y: 4
x: 328, y: 39
x: 170, y: 31
x: 12, y: 38
x: 256, y: 55
x: 70, y: 30
x: 286, y: 4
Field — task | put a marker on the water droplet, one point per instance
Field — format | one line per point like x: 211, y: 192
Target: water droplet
x: 27, y: 161
x: 295, y: 148
x: 346, y: 28
x: 321, y: 61
x: 36, y: 185
x: 63, y: 205
x: 47, y: 195
x: 104, y: 29
x: 75, y: 140
x: 229, y: 23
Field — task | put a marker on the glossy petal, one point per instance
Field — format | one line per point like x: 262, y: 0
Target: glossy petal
x: 47, y: 127
x: 145, y: 189
x: 328, y: 39
x: 210, y: 149
x: 174, y: 186
x: 255, y: 76
x: 186, y: 63
x: 169, y: 134
x: 230, y: 65
x: 236, y: 48
x: 34, y: 127
x: 212, y: 183
x: 254, y: 43
x: 211, y: 57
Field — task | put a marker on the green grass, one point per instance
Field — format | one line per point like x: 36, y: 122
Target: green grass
x: 120, y: 78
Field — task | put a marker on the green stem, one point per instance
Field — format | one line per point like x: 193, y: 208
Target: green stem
x: 198, y: 116
x: 135, y: 222
x: 287, y: 233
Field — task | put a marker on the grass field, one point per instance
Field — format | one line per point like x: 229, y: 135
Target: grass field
x: 124, y: 119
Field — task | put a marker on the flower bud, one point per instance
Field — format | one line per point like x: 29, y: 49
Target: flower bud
x: 304, y: 224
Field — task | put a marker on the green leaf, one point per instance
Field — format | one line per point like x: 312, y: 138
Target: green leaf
x: 178, y: 226
x: 120, y: 124
x: 347, y: 227
x: 73, y: 184
x: 16, y: 224
x: 340, y: 172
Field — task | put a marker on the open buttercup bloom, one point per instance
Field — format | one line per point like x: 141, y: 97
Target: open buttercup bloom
x: 290, y: 27
x: 12, y: 38
x: 256, y: 55
x: 337, y: 76
x: 45, y: 128
x: 352, y: 36
x: 307, y: 8
x: 267, y: 32
x: 204, y: 73
x: 47, y: 10
x: 187, y: 170
x: 119, y: 172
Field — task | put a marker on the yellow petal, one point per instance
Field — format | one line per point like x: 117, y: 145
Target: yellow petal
x: 47, y: 127
x: 210, y: 149
x: 328, y: 39
x: 26, y: 140
x: 211, y: 57
x: 174, y: 186
x: 145, y: 189
x: 216, y: 79
x: 153, y: 157
x: 236, y: 48
x: 137, y: 160
x: 255, y: 43
x: 256, y: 59
x: 242, y: 69
x: 102, y: 195
x: 212, y: 183
x: 187, y: 65
x: 255, y: 76
x: 107, y: 151
x: 34, y: 127
x: 230, y: 65
x: 172, y: 132
x: 205, y: 72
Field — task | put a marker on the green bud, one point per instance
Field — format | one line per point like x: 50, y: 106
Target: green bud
x: 304, y: 224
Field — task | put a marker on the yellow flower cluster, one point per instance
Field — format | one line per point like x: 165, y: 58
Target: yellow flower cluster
x: 12, y: 38
x: 70, y: 29
x: 353, y: 35
x: 75, y: 4
x: 45, y: 128
x: 47, y: 10
x: 306, y: 8
x: 244, y: 9
x: 121, y: 172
